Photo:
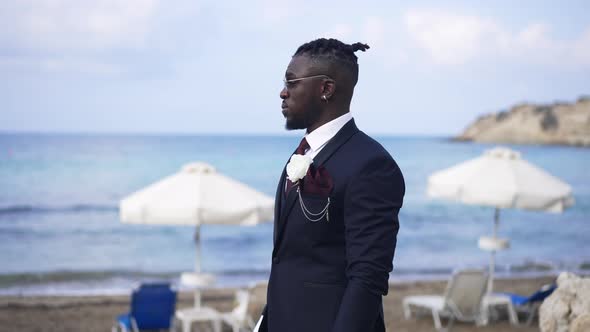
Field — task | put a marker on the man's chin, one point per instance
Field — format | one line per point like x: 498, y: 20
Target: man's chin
x: 291, y: 125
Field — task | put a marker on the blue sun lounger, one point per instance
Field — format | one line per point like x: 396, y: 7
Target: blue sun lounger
x: 529, y: 305
x: 152, y: 308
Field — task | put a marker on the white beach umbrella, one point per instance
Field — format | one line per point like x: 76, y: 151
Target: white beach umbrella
x: 197, y: 195
x: 500, y: 178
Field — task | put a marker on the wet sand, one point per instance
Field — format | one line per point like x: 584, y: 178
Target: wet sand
x: 97, y: 313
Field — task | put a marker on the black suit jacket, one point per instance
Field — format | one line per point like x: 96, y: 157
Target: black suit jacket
x: 331, y: 275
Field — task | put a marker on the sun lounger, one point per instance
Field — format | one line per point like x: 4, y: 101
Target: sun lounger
x: 238, y: 318
x: 152, y: 308
x: 461, y: 301
x: 529, y: 305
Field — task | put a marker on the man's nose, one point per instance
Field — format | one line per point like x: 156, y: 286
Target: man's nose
x: 284, y: 93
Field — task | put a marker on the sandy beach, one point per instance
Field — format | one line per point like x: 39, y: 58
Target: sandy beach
x: 97, y: 313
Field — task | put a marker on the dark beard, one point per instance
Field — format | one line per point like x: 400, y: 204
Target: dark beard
x: 294, y: 124
x: 303, y: 122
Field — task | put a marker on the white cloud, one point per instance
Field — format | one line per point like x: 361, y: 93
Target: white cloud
x: 377, y: 32
x: 55, y: 65
x: 70, y: 35
x: 450, y: 38
x: 534, y: 35
x: 73, y: 25
x: 384, y: 39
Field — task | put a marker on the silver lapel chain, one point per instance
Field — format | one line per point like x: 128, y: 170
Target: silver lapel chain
x: 313, y: 217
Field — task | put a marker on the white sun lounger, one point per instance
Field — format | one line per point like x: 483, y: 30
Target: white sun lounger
x: 461, y: 301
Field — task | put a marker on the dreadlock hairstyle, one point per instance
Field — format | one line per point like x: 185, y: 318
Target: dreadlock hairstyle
x: 334, y: 52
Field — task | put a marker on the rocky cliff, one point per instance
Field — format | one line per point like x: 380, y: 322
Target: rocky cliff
x: 558, y: 123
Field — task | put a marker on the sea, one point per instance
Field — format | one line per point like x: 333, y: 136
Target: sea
x: 60, y: 232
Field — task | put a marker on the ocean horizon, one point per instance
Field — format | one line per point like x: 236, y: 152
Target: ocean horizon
x: 60, y: 231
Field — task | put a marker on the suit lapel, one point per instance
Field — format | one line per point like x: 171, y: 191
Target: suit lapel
x: 279, y: 203
x: 286, y: 209
x: 335, y: 143
x: 343, y: 135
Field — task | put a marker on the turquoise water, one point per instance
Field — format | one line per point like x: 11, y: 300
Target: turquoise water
x: 60, y: 232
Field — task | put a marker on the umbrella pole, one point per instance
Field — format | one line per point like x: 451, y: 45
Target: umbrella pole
x: 493, y: 253
x: 198, y: 249
x: 198, y: 263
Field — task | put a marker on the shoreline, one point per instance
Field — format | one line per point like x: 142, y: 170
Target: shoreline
x: 98, y: 312
x: 117, y: 285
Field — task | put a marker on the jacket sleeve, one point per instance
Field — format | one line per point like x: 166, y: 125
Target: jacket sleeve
x: 372, y: 201
x: 262, y: 323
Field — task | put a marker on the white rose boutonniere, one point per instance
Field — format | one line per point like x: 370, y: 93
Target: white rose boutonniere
x: 297, y: 167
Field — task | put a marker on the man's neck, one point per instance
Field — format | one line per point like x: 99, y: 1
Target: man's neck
x: 325, y: 120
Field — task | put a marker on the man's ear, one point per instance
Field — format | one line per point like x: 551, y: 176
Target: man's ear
x: 328, y: 88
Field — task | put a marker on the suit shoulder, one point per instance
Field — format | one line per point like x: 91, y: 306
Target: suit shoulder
x: 375, y: 164
x: 369, y: 149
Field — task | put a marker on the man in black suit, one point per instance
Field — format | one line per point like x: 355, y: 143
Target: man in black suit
x: 336, y: 219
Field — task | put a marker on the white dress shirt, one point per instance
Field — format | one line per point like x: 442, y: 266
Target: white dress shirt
x: 318, y: 138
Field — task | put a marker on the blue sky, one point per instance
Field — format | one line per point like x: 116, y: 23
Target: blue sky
x: 199, y: 67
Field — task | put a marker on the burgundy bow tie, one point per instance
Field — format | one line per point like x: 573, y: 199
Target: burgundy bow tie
x: 303, y: 146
